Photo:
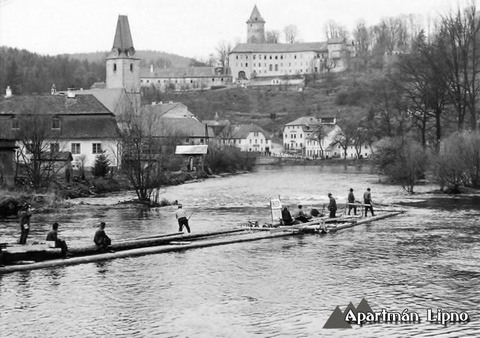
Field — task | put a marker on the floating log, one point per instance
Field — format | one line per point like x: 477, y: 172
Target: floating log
x: 144, y: 251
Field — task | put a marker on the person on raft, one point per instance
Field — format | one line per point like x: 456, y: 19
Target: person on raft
x: 367, y: 200
x: 24, y: 218
x: 287, y: 217
x: 52, y: 236
x: 332, y: 206
x: 102, y: 241
x: 351, y: 201
x: 300, y: 215
x: 182, y: 219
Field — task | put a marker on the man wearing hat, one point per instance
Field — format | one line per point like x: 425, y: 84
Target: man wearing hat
x: 351, y: 200
x: 182, y: 219
x: 367, y: 200
x: 332, y: 206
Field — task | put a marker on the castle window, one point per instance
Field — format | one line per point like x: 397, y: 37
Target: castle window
x: 246, y: 64
x: 254, y: 56
x: 237, y: 57
x: 276, y: 57
x: 213, y: 79
x: 270, y: 67
x: 148, y: 81
x: 295, y: 56
x: 114, y: 67
x: 131, y: 67
x: 270, y: 57
x: 246, y: 57
x: 276, y: 67
x: 281, y: 57
x: 264, y: 57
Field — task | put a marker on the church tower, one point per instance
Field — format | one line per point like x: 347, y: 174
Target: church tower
x: 123, y: 69
x: 255, y: 27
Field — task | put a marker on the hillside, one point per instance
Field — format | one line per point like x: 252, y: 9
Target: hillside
x: 147, y: 57
x: 273, y: 106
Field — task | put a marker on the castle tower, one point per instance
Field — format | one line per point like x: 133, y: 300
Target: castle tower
x: 123, y: 69
x: 255, y: 27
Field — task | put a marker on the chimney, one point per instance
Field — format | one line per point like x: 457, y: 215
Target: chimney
x: 8, y: 92
x: 53, y: 90
x: 71, y: 93
x: 154, y: 103
x: 151, y: 68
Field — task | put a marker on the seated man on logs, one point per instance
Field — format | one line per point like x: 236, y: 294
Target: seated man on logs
x: 287, y: 217
x: 52, y: 236
x: 102, y: 241
x: 300, y: 215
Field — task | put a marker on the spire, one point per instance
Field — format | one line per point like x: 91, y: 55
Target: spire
x: 122, y: 43
x: 255, y: 16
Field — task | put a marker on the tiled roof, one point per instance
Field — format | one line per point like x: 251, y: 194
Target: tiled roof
x: 173, y: 109
x: 181, y: 127
x: 304, y: 121
x: 280, y: 47
x: 53, y: 104
x: 180, y: 72
x: 241, y: 131
x: 110, y: 98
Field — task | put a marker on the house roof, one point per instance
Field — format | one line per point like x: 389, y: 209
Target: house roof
x: 110, y: 97
x: 173, y: 109
x: 200, y: 149
x: 181, y: 127
x: 280, y: 47
x: 242, y: 131
x: 304, y: 121
x: 93, y: 127
x: 53, y: 104
x: 187, y: 72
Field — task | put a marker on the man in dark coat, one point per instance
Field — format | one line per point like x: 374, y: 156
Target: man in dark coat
x: 367, y: 200
x: 332, y: 206
x: 24, y: 218
x: 286, y: 217
x: 351, y: 200
x: 102, y: 241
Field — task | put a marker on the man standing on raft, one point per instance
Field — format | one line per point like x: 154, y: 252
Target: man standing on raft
x: 182, y: 219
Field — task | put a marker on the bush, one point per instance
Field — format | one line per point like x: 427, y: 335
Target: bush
x: 228, y: 159
x: 403, y: 161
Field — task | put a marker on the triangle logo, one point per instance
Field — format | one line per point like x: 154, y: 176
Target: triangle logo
x: 349, y: 308
x: 364, y: 306
x: 337, y: 320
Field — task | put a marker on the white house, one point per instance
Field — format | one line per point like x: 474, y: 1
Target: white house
x: 247, y: 137
x: 296, y: 133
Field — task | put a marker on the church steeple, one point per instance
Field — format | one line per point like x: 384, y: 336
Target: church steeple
x: 123, y: 69
x: 255, y: 27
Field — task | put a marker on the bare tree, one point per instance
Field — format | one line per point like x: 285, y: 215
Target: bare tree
x: 291, y: 34
x: 363, y: 42
x: 273, y: 36
x: 334, y: 30
x: 223, y: 51
x: 39, y: 145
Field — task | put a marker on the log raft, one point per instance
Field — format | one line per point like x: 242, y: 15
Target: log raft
x: 162, y: 243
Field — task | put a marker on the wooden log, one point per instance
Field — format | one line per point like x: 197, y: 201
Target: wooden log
x: 363, y: 221
x: 144, y: 251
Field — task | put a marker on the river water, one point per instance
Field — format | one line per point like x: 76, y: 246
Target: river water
x: 425, y: 258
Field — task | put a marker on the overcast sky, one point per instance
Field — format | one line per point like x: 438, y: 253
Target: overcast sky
x: 190, y: 28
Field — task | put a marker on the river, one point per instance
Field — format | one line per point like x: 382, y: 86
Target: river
x: 425, y: 258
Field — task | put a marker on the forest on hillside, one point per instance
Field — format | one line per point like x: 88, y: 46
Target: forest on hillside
x: 29, y: 73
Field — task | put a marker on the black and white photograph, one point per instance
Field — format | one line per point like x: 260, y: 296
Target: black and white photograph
x: 239, y: 168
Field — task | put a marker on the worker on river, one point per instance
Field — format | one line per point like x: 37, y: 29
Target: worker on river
x: 182, y: 219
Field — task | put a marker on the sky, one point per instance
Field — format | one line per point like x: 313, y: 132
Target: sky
x: 191, y: 28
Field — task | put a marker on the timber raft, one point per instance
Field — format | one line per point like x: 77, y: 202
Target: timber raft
x: 30, y: 257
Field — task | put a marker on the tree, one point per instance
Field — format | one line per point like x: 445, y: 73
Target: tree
x: 101, y: 166
x: 39, y: 146
x: 403, y: 161
x: 291, y: 34
x: 363, y: 42
x: 223, y: 51
x: 334, y: 30
x: 272, y: 36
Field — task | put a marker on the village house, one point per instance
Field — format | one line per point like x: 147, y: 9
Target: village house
x: 76, y: 124
x: 184, y: 79
x: 296, y: 133
x: 257, y: 60
x: 325, y: 148
x: 247, y: 138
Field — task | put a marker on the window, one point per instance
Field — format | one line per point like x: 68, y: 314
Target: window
x: 75, y: 148
x: 131, y: 67
x: 96, y: 148
x: 55, y: 123
x: 250, y: 141
x: 246, y: 64
x: 114, y: 67
x: 276, y: 57
x: 54, y: 147
x: 276, y: 67
x: 255, y: 133
x: 254, y: 56
x: 15, y: 123
x: 270, y: 67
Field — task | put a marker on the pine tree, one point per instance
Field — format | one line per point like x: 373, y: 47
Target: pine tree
x: 101, y: 167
